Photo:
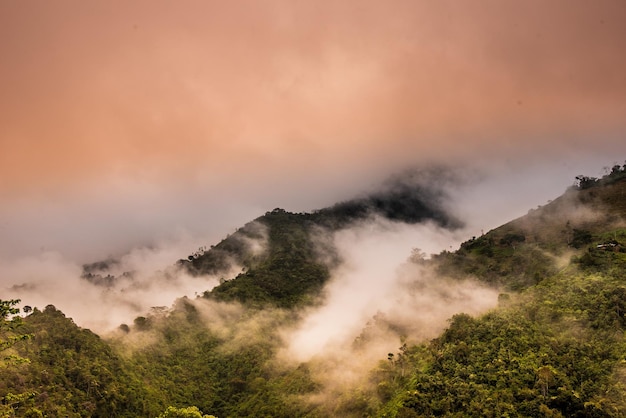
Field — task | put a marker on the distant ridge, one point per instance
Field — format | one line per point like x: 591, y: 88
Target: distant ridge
x: 553, y: 346
x: 290, y: 272
x: 521, y: 252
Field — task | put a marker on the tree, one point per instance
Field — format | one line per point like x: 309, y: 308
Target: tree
x: 190, y: 412
x: 581, y: 238
x: 585, y: 182
x: 417, y: 256
x: 545, y: 376
x: 512, y: 239
x: 9, y: 321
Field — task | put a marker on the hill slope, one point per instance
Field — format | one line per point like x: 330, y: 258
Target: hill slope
x: 286, y: 256
x: 522, y: 252
x: 553, y: 347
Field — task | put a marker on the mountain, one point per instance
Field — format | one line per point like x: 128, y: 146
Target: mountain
x: 553, y: 346
x: 522, y: 252
x: 286, y: 256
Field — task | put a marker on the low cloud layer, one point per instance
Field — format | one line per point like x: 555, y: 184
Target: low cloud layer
x: 117, y: 292
x: 365, y: 283
x: 142, y: 131
x: 382, y: 295
x: 152, y: 118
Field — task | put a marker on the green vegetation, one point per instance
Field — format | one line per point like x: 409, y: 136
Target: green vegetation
x: 186, y: 359
x: 71, y: 372
x: 616, y: 174
x: 9, y: 336
x: 191, y: 412
x: 288, y: 275
x: 508, y: 261
x: 295, y: 265
x: 558, y: 350
x: 554, y: 346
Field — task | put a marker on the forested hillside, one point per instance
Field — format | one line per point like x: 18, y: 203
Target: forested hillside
x: 289, y: 262
x: 553, y: 346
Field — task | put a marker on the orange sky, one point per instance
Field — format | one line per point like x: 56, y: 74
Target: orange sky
x: 110, y: 107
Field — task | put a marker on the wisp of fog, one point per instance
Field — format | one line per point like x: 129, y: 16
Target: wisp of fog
x: 128, y: 286
x: 382, y: 294
x: 366, y: 281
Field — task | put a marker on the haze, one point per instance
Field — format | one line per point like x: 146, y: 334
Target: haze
x: 123, y: 125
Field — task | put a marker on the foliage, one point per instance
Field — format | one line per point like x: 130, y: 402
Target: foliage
x: 405, y: 200
x: 219, y: 258
x: 614, y: 174
x: 554, y: 346
x: 604, y: 252
x: 10, y: 322
x: 71, y: 372
x: 508, y: 261
x: 222, y: 369
x: 554, y: 351
x: 290, y: 272
x: 288, y: 275
x: 580, y: 238
x: 189, y: 412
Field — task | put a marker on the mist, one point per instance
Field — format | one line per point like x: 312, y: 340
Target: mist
x: 113, y: 291
x: 154, y: 119
x: 157, y: 128
x: 382, y: 295
x: 366, y: 282
x: 146, y: 276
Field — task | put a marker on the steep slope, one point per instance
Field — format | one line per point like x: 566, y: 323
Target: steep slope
x: 71, y: 372
x: 522, y: 252
x: 286, y: 256
x: 288, y: 273
x: 553, y: 347
x: 563, y: 221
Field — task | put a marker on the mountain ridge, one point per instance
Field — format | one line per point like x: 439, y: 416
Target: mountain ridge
x: 553, y: 346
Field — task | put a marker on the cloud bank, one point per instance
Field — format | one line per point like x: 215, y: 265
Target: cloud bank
x: 120, y: 123
x: 120, y: 290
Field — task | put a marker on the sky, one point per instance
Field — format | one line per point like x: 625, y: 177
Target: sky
x: 129, y: 124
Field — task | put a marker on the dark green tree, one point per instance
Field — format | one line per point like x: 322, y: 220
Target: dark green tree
x: 190, y: 412
x: 9, y: 322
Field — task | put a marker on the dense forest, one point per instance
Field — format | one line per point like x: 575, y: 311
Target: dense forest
x: 553, y: 346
